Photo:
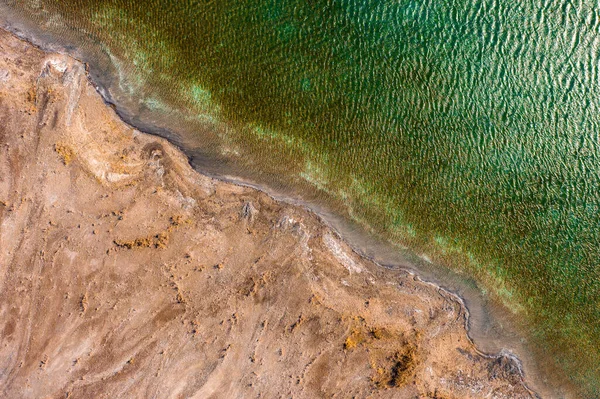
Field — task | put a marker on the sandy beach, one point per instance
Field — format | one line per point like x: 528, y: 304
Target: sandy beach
x: 126, y: 273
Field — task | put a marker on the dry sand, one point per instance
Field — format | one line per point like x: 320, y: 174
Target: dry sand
x: 124, y: 273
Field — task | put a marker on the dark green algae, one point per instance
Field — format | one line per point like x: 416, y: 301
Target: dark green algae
x: 464, y: 130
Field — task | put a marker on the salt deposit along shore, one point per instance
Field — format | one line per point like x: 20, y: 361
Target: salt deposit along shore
x: 125, y: 273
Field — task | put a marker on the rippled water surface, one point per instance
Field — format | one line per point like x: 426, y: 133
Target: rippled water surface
x: 465, y: 130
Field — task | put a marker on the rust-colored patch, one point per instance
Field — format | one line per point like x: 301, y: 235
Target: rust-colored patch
x: 160, y: 240
x: 32, y: 95
x: 397, y: 369
x: 355, y: 338
x: 64, y: 152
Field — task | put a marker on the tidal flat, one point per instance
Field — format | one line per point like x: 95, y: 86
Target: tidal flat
x: 126, y: 273
x: 464, y: 134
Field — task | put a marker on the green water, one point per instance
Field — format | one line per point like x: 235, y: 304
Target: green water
x: 466, y: 130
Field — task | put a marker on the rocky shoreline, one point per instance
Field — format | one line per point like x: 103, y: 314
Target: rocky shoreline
x: 125, y: 273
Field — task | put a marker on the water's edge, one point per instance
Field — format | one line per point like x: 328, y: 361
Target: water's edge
x: 487, y: 325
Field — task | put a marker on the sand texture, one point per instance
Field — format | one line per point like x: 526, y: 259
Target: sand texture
x: 124, y: 273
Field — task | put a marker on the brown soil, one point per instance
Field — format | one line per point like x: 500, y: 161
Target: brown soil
x: 125, y: 273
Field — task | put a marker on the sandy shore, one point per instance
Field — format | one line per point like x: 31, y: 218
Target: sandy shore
x: 125, y: 273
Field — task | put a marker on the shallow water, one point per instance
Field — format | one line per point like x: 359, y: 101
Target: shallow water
x: 463, y: 131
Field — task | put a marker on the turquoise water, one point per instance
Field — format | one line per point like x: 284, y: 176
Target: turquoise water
x: 464, y: 130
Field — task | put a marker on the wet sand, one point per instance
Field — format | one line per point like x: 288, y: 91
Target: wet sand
x: 125, y: 273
